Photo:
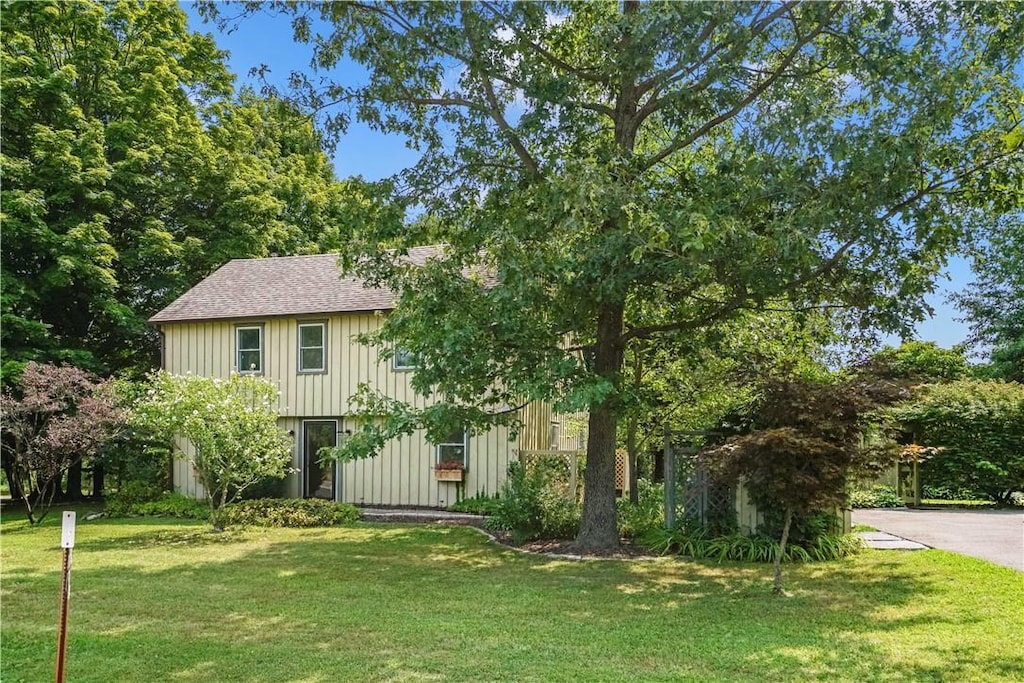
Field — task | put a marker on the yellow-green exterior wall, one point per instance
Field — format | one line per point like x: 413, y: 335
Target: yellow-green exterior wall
x: 403, y: 473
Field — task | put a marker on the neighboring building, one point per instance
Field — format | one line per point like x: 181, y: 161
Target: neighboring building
x: 293, y: 320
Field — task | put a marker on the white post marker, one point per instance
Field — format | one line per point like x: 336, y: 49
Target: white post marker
x: 67, y: 542
x: 67, y: 530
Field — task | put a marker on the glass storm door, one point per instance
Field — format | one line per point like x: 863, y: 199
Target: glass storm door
x: 320, y: 479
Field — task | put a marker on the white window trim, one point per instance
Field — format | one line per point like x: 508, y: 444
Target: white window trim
x: 402, y: 368
x: 323, y: 348
x: 238, y: 350
x: 465, y: 449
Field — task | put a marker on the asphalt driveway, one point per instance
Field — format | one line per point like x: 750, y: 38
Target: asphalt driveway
x: 993, y: 535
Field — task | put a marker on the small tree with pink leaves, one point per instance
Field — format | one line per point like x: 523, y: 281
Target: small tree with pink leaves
x: 53, y: 419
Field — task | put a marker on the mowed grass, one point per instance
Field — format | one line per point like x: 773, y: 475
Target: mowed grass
x: 157, y: 600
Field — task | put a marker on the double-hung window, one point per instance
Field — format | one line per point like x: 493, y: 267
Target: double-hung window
x: 249, y: 349
x: 453, y: 449
x: 312, y: 347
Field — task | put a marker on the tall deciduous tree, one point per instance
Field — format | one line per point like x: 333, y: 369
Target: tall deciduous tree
x: 130, y: 172
x: 994, y: 302
x: 582, y: 159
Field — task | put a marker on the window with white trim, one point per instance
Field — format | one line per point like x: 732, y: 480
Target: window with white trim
x: 404, y: 359
x: 312, y: 347
x: 453, y: 448
x: 249, y: 349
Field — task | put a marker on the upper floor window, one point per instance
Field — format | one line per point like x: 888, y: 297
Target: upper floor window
x: 249, y: 348
x: 404, y: 359
x: 312, y: 347
x: 453, y: 448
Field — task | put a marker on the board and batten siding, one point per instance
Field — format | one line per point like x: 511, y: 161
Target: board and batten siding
x: 402, y: 474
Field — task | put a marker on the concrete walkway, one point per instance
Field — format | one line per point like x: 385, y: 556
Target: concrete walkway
x: 879, y: 540
x: 419, y: 516
x: 993, y: 535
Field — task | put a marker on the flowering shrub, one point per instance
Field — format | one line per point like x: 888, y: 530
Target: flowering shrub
x: 230, y: 424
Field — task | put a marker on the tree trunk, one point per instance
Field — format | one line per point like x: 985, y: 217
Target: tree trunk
x: 74, y: 488
x: 13, y: 481
x: 598, y: 529
x: 780, y: 551
x: 98, y: 480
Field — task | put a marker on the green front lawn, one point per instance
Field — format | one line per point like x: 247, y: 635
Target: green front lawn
x: 157, y: 600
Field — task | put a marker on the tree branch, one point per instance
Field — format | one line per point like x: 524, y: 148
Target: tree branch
x: 591, y: 76
x: 679, y: 71
x: 755, y: 92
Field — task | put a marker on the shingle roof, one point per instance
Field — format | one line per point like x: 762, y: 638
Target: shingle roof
x: 282, y: 285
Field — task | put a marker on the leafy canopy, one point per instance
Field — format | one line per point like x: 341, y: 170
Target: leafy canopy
x: 130, y: 171
x: 994, y: 302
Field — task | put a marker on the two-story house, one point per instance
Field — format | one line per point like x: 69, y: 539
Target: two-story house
x: 293, y: 320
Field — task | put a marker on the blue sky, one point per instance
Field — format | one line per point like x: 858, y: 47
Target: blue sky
x: 265, y: 39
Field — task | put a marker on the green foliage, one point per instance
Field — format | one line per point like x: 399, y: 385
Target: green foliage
x: 878, y: 496
x: 130, y: 494
x: 979, y: 429
x: 230, y: 425
x: 130, y: 172
x: 919, y: 361
x: 166, y: 505
x: 530, y: 506
x: 480, y: 504
x: 934, y: 492
x: 289, y: 512
x: 703, y: 545
x: 636, y: 519
x: 805, y: 529
x: 994, y: 302
x: 961, y: 504
x: 134, y: 456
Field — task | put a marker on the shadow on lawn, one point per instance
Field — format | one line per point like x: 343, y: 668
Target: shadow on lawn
x: 372, y: 602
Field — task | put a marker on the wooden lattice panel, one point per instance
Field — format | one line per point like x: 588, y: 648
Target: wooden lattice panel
x: 621, y: 481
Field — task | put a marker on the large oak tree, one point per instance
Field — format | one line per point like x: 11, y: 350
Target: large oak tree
x: 582, y: 159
